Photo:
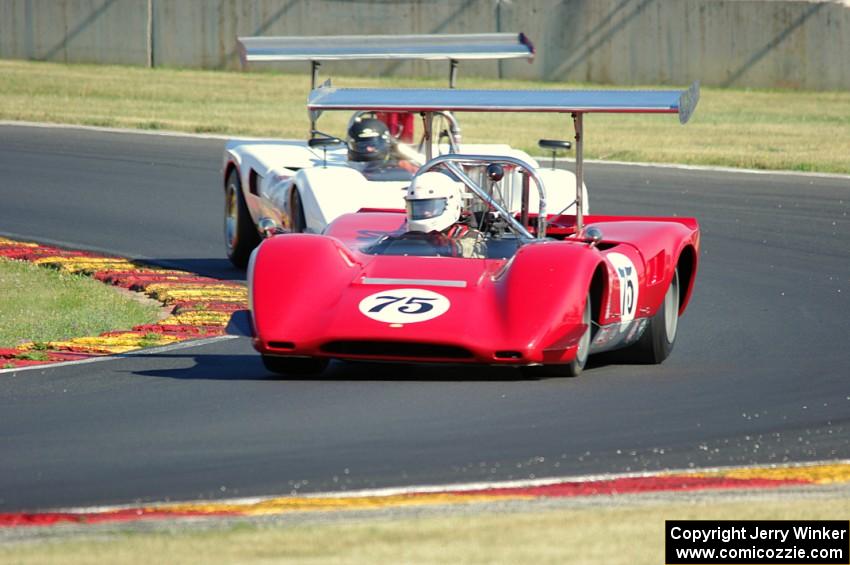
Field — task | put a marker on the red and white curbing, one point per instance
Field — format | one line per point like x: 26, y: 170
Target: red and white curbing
x: 730, y: 478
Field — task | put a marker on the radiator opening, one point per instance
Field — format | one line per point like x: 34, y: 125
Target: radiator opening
x: 507, y: 355
x: 396, y: 349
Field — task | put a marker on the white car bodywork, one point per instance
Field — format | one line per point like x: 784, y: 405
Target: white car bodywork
x: 286, y: 185
x: 328, y: 187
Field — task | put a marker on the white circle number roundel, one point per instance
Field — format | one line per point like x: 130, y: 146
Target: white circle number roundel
x: 627, y: 274
x: 404, y: 305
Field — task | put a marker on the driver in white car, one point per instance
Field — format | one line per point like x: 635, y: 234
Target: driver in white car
x: 371, y: 146
x: 435, y: 207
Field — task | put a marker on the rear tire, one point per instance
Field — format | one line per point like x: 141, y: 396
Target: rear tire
x: 294, y: 365
x: 658, y: 339
x: 576, y: 366
x: 299, y: 223
x: 240, y: 234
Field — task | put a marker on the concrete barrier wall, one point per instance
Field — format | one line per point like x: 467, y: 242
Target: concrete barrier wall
x: 74, y: 31
x: 758, y: 43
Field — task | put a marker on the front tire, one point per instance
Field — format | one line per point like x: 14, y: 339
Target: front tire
x: 240, y: 235
x: 294, y: 365
x: 658, y: 339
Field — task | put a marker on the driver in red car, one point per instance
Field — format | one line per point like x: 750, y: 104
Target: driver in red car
x: 435, y: 208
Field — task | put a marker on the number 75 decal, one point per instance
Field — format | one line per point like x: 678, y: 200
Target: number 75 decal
x: 404, y: 305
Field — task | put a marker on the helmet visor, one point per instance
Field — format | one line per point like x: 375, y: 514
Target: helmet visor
x: 426, y: 209
x: 369, y: 149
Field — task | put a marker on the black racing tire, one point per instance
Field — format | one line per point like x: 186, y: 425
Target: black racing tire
x: 658, y: 339
x: 290, y: 366
x: 299, y: 224
x: 240, y: 234
x: 575, y: 367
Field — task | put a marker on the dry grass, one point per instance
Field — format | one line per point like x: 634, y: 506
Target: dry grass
x: 804, y: 131
x: 38, y: 304
x: 630, y: 535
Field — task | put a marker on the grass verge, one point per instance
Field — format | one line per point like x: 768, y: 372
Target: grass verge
x: 630, y: 535
x: 39, y: 305
x: 761, y: 129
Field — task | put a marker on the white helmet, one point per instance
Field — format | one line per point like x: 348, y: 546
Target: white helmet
x: 434, y: 202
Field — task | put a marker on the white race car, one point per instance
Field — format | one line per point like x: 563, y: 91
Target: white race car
x: 273, y: 186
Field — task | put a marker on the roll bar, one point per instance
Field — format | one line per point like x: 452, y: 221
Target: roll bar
x: 451, y: 162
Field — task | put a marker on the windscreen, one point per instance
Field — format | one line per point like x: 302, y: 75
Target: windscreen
x: 436, y: 244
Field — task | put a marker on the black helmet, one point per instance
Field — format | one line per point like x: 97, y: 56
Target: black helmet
x: 368, y: 140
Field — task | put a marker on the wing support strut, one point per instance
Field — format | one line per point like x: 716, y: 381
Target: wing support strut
x: 578, y: 124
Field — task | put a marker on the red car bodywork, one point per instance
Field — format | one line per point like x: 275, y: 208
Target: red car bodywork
x: 307, y: 291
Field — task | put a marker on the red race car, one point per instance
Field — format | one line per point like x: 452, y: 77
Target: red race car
x: 457, y: 277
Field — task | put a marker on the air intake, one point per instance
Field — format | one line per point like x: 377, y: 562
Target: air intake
x: 396, y: 349
x: 507, y: 355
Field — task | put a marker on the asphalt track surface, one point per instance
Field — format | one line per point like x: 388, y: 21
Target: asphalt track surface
x: 760, y: 372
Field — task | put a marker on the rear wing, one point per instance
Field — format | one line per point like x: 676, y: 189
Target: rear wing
x: 574, y: 102
x: 438, y: 47
x: 681, y: 102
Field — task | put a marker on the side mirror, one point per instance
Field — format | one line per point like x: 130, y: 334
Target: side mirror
x: 594, y: 234
x: 554, y: 145
x: 495, y: 172
x: 324, y: 142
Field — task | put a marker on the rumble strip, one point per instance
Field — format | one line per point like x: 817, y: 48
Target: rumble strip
x: 201, y: 306
x: 729, y: 478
